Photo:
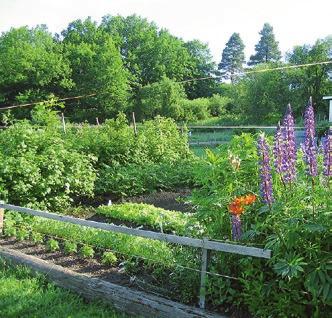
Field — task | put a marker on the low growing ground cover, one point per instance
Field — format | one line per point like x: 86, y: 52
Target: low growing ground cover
x: 25, y: 295
x: 155, y: 218
x: 24, y: 227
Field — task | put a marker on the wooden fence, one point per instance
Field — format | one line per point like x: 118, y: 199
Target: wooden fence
x: 204, y: 244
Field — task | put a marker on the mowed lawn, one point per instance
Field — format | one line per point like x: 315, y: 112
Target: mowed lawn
x: 25, y: 295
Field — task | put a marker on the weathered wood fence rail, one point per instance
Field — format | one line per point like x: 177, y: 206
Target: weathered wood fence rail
x: 204, y: 244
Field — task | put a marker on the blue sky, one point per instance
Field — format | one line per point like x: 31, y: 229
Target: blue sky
x: 295, y: 22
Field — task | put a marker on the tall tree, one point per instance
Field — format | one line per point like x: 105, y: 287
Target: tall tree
x: 148, y: 53
x: 267, y: 48
x: 203, y: 66
x: 96, y: 68
x: 31, y: 65
x: 312, y: 80
x: 232, y: 59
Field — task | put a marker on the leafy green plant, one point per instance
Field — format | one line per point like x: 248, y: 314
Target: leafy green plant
x: 135, y: 179
x: 87, y: 251
x: 289, y: 267
x: 38, y: 169
x: 10, y: 230
x: 36, y: 237
x: 70, y: 247
x: 52, y: 245
x: 149, y: 215
x: 109, y: 258
x: 22, y: 234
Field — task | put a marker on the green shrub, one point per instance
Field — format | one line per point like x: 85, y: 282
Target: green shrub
x: 22, y: 234
x: 36, y: 237
x: 109, y: 258
x: 136, y: 179
x: 37, y: 169
x: 196, y: 109
x: 52, y: 245
x: 87, y: 251
x: 70, y: 247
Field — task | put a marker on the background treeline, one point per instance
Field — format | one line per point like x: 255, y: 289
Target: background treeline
x: 133, y: 65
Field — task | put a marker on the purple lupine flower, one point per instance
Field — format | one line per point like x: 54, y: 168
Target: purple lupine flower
x: 309, y: 147
x: 278, y: 150
x: 236, y: 227
x: 288, y: 148
x: 265, y: 170
x: 327, y: 147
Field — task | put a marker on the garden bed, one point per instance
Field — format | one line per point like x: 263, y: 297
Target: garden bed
x: 108, y: 282
x: 168, y: 200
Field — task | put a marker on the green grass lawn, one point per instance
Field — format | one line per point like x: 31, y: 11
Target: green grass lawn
x: 25, y: 295
x: 224, y: 135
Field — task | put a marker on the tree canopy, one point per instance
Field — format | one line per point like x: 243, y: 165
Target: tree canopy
x: 232, y: 59
x: 267, y: 48
x: 97, y: 67
x: 131, y: 64
x: 32, y: 65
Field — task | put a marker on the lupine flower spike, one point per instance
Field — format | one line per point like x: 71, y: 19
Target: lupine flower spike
x: 279, y: 152
x: 265, y: 171
x: 327, y: 150
x: 309, y: 148
x: 288, y: 147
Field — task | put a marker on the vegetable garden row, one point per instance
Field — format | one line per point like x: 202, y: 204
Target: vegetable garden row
x: 256, y: 191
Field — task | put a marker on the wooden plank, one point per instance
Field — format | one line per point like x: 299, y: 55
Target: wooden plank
x: 169, y: 238
x: 122, y: 298
x: 134, y: 123
x: 207, y: 143
x: 202, y: 290
x: 63, y: 122
x: 237, y: 127
x: 1, y: 219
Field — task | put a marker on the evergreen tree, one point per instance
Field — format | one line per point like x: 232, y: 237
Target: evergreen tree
x: 232, y: 57
x: 267, y: 48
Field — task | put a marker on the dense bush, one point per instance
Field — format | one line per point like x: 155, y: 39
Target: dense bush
x: 135, y: 179
x: 114, y: 142
x: 37, y: 169
x: 157, y: 158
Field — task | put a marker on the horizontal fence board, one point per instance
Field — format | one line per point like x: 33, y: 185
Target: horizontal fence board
x: 207, y: 143
x: 169, y: 238
x: 236, y: 127
x: 133, y: 302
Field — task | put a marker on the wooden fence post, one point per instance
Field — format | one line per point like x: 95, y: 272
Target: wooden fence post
x: 1, y: 218
x: 134, y: 123
x: 202, y: 290
x: 63, y: 122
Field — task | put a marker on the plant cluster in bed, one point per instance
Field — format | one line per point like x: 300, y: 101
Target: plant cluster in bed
x: 290, y: 213
x: 152, y: 217
x: 43, y: 167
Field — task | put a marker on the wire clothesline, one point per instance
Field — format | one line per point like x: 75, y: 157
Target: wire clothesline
x: 260, y: 71
x: 4, y: 107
